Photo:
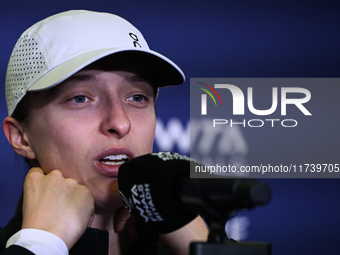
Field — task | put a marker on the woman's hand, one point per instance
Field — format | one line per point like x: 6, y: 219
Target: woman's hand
x: 178, y: 241
x: 57, y: 205
x: 123, y: 220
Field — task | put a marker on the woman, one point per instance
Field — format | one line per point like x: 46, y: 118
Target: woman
x: 80, y: 90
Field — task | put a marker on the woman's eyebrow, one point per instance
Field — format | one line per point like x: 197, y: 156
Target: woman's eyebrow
x: 74, y: 78
x: 140, y: 78
x: 80, y: 77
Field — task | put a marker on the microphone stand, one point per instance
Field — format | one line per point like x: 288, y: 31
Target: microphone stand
x: 216, y: 210
x: 219, y: 244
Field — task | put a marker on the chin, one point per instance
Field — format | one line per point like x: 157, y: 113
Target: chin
x: 109, y: 199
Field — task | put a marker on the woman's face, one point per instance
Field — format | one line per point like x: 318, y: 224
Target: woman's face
x: 90, y: 124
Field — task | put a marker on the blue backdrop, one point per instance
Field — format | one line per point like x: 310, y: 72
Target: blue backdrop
x: 221, y: 39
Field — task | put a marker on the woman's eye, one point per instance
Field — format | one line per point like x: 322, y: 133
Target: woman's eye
x: 80, y: 99
x: 138, y: 98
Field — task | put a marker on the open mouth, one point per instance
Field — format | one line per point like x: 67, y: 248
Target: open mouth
x: 113, y: 160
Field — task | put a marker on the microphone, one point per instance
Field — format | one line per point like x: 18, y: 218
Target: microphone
x: 147, y: 185
x: 158, y: 191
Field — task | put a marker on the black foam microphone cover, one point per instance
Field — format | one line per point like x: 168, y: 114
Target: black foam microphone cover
x: 149, y: 187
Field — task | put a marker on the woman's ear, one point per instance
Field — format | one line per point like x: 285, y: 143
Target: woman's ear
x: 17, y: 137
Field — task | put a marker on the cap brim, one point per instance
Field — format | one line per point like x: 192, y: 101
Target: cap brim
x: 165, y: 72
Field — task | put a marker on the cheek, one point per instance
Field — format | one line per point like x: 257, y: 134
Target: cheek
x: 54, y: 144
x: 151, y: 135
x: 145, y: 129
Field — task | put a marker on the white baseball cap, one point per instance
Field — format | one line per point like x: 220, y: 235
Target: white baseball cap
x: 55, y: 48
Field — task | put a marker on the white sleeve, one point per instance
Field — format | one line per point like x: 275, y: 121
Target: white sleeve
x: 39, y: 242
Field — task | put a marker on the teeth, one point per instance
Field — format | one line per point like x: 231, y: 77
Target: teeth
x: 111, y: 163
x: 115, y: 157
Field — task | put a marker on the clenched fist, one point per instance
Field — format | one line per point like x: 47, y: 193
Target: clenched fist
x: 57, y: 205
